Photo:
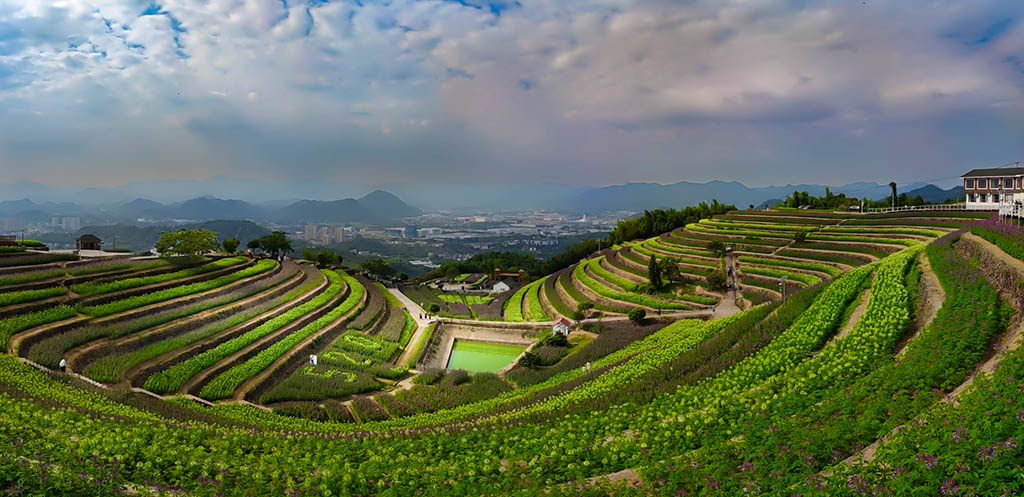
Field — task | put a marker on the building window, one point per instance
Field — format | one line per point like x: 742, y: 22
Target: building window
x: 1008, y: 183
x: 973, y: 197
x: 995, y: 197
x: 982, y: 183
x: 968, y: 183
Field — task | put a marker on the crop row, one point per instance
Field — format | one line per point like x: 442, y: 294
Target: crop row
x: 49, y: 350
x: 227, y: 382
x: 580, y: 274
x: 111, y: 368
x: 774, y: 226
x: 376, y: 348
x: 714, y: 230
x: 99, y: 287
x: 533, y: 304
x: 804, y: 278
x: 882, y: 231
x: 749, y: 240
x: 810, y: 266
x: 1008, y: 238
x: 514, y: 305
x: 175, y: 292
x: 172, y: 379
x: 807, y: 381
x: 872, y: 239
x: 15, y: 324
x: 23, y: 296
x: 83, y: 271
x: 654, y: 243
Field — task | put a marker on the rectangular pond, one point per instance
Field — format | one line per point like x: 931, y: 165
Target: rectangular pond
x: 483, y: 356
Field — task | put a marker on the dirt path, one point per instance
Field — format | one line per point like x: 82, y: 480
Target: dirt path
x: 862, y: 305
x: 1011, y: 339
x: 932, y: 297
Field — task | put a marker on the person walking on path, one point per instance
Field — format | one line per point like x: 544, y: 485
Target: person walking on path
x: 63, y: 365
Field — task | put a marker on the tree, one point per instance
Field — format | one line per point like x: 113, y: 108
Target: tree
x: 654, y: 273
x: 325, y: 258
x: 451, y: 272
x: 185, y: 242
x: 230, y: 245
x: 716, y: 281
x: 309, y: 255
x: 275, y: 244
x: 434, y: 308
x: 717, y: 247
x: 253, y: 245
x: 637, y: 315
x: 670, y: 270
x: 379, y: 268
x: 892, y: 185
x: 799, y: 237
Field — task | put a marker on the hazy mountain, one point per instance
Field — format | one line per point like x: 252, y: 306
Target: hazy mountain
x: 207, y: 208
x: 932, y: 193
x: 386, y: 205
x: 322, y: 211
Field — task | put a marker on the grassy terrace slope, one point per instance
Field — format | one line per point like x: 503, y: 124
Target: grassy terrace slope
x: 766, y: 247
x: 864, y: 381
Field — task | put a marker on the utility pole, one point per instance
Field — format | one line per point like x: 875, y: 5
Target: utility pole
x: 782, y: 283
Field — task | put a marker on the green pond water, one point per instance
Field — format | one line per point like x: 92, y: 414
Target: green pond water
x: 483, y: 356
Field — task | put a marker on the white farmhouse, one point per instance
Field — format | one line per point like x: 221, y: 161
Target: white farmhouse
x: 995, y: 189
x: 562, y: 327
x: 500, y: 287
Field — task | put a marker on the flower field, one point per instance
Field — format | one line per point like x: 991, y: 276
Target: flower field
x: 890, y: 369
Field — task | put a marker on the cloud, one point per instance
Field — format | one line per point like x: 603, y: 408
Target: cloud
x: 596, y: 91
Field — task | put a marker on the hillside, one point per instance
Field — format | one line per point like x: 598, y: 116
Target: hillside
x: 847, y: 363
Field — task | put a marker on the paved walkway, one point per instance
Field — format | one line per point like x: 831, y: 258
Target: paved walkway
x: 421, y: 323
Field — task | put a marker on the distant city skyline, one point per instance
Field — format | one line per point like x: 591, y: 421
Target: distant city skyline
x: 585, y: 93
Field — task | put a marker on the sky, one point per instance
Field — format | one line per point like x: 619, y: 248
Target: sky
x: 581, y: 92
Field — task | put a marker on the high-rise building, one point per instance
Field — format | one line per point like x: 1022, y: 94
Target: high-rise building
x: 71, y: 223
x: 325, y: 235
x: 309, y: 234
x: 410, y: 231
x: 339, y: 234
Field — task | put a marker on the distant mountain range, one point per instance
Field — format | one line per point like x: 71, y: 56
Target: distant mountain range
x: 302, y: 201
x: 376, y: 207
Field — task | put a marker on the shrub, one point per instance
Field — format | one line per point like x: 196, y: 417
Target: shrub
x: 716, y: 281
x: 637, y: 315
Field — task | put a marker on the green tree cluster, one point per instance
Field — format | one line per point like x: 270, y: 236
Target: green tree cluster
x: 322, y: 258
x: 189, y: 243
x: 379, y: 268
x: 274, y: 244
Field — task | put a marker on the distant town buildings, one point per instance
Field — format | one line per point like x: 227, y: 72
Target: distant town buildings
x: 324, y: 235
x: 66, y: 223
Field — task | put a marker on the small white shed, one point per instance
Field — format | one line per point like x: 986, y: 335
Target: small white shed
x: 562, y: 327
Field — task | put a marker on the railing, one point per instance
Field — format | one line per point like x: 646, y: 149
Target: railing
x: 959, y: 206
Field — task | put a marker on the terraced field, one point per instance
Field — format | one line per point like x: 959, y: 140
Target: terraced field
x: 891, y: 368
